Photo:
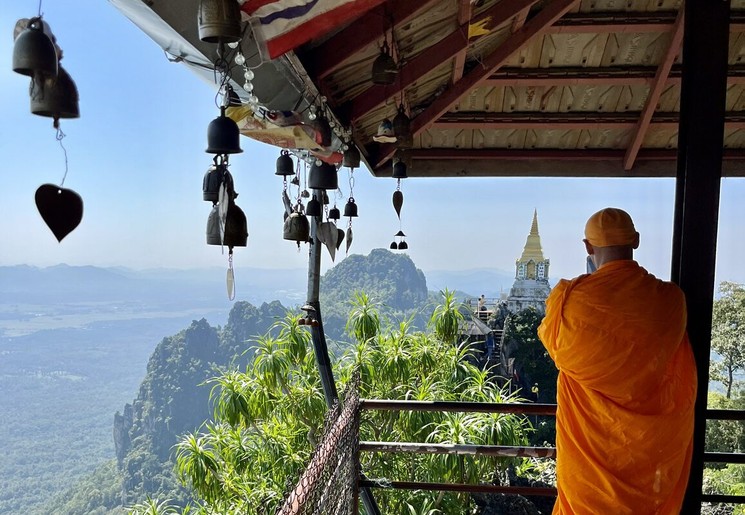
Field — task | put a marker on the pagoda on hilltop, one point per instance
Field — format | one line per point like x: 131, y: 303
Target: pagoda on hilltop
x: 531, y: 287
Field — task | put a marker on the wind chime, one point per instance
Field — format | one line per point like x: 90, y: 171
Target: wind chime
x: 296, y: 226
x: 402, y: 130
x: 351, y: 159
x: 227, y: 226
x: 53, y: 94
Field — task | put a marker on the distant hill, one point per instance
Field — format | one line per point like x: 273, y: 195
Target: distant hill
x: 391, y: 280
x: 24, y: 284
x: 482, y: 281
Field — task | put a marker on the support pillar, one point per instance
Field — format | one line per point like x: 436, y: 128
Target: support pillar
x: 319, y: 337
x: 700, y: 142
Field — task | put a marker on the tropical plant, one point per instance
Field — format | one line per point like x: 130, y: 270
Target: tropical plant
x: 447, y: 318
x: 268, y: 418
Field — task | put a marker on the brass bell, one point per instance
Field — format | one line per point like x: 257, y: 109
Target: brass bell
x: 213, y: 227
x: 384, y: 68
x: 219, y: 21
x: 55, y: 97
x: 296, y: 228
x: 323, y: 177
x: 313, y: 208
x: 223, y: 135
x: 285, y: 166
x: 215, y: 176
x: 350, y: 209
x: 351, y: 157
x: 402, y: 129
x: 34, y: 52
x: 399, y: 170
x: 236, y: 227
x: 334, y: 213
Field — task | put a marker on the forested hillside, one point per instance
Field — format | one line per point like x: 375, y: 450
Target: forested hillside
x: 173, y: 398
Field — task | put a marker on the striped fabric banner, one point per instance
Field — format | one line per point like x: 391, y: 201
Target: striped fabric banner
x: 282, y: 25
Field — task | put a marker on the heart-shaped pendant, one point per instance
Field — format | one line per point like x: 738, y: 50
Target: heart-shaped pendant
x: 61, y: 209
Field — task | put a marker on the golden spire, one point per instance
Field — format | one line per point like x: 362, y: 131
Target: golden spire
x: 532, y: 248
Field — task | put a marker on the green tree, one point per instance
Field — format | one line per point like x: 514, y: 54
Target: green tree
x: 267, y: 419
x: 728, y: 335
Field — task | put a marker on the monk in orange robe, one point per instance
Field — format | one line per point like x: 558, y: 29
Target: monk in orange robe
x: 627, y: 381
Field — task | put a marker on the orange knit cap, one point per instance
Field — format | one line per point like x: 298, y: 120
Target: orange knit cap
x: 609, y: 227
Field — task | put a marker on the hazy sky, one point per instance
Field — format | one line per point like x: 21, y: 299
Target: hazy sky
x: 137, y: 158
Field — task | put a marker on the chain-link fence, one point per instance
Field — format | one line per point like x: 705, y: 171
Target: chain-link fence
x: 328, y: 486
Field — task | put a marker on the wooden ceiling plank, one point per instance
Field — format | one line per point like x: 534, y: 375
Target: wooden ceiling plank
x: 655, y: 91
x: 464, y: 16
x: 367, y: 29
x: 535, y: 26
x: 551, y: 163
x: 432, y: 57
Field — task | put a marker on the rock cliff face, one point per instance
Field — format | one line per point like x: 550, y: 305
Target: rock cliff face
x: 173, y: 400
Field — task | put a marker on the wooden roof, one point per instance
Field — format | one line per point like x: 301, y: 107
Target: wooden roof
x: 554, y: 87
x: 493, y: 87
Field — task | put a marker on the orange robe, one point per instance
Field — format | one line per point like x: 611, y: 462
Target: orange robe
x: 625, y: 393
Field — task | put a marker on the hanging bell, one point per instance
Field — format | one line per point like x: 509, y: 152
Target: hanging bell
x: 334, y: 213
x: 350, y: 209
x: 402, y: 128
x: 403, y: 245
x: 351, y: 157
x: 285, y: 166
x: 394, y: 245
x: 219, y: 21
x: 399, y: 170
x: 34, y: 53
x: 55, y: 97
x: 384, y: 68
x: 215, y: 176
x: 236, y: 227
x: 313, y: 208
x: 325, y: 199
x: 213, y: 227
x: 223, y: 135
x: 323, y: 177
x: 296, y: 228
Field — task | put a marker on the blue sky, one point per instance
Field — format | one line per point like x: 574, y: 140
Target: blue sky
x: 137, y: 158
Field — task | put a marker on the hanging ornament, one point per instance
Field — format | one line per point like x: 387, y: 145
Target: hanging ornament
x: 328, y: 234
x: 350, y: 236
x: 401, y: 244
x: 219, y: 21
x: 384, y: 69
x: 399, y: 172
x: 223, y: 135
x: 402, y: 128
x: 296, y: 228
x: 60, y: 208
x: 323, y: 176
x: 34, y: 52
x: 230, y: 277
x: 398, y: 202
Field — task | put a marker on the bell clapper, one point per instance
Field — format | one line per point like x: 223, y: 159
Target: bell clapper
x: 230, y: 278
